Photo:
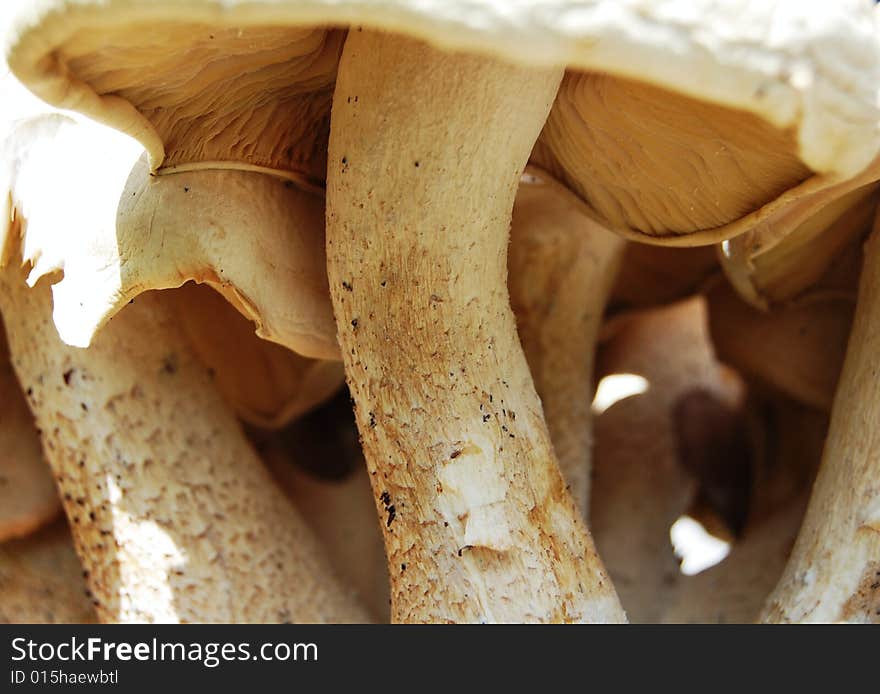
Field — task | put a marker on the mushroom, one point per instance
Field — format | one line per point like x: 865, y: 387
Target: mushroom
x: 640, y: 485
x: 834, y: 570
x: 751, y: 111
x: 561, y: 265
x: 41, y: 580
x: 160, y: 232
x: 318, y: 462
x: 138, y: 237
x: 173, y: 515
x: 788, y: 447
x: 28, y: 498
x: 796, y: 349
x: 267, y: 384
x: 419, y: 199
x: 122, y: 241
x: 414, y: 232
x: 128, y: 74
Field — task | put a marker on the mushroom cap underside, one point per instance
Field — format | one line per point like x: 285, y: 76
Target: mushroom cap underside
x: 84, y: 203
x: 218, y: 84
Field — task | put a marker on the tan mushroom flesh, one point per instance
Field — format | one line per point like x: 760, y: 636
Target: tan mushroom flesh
x: 41, y: 580
x: 834, y: 570
x: 561, y: 266
x: 28, y: 497
x: 426, y: 147
x: 173, y: 515
x: 266, y: 383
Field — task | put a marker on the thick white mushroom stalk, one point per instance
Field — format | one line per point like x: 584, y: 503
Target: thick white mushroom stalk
x: 834, y: 571
x: 423, y: 167
x: 173, y: 515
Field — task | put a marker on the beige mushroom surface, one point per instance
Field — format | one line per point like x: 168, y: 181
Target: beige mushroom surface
x: 640, y: 486
x: 28, y: 497
x: 172, y: 513
x: 94, y: 213
x: 561, y: 266
x: 42, y: 580
x: 834, y: 570
x: 436, y: 109
x: 267, y: 384
x: 154, y: 233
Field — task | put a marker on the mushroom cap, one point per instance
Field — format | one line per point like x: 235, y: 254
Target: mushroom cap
x: 655, y: 275
x: 789, y: 252
x: 28, y: 496
x: 672, y: 164
x: 93, y: 211
x: 211, y: 82
x: 267, y: 384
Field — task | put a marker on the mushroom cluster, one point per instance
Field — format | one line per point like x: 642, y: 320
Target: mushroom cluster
x: 369, y: 310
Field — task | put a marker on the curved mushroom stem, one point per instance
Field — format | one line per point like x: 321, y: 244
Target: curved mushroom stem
x: 426, y: 152
x: 834, y: 570
x: 561, y: 268
x: 173, y: 515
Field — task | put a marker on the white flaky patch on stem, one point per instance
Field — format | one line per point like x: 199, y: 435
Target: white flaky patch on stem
x: 173, y: 515
x: 834, y: 570
x: 561, y: 267
x: 426, y: 153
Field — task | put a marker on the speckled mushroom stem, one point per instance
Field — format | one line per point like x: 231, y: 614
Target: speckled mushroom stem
x: 834, y: 570
x: 426, y: 152
x: 172, y: 514
x: 561, y: 267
